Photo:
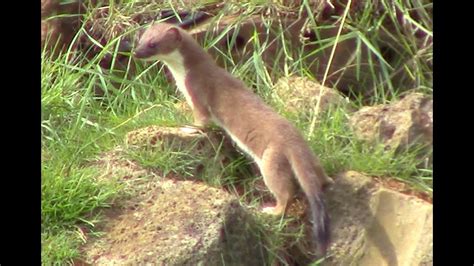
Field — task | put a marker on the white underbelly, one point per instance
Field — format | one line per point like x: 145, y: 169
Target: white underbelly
x: 241, y: 145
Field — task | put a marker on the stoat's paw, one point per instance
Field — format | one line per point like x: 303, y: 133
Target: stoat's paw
x: 272, y: 211
x: 269, y: 210
x: 329, y: 180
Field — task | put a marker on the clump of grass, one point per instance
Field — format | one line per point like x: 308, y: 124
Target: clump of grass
x: 69, y: 199
x: 59, y: 248
x: 168, y: 158
x: 67, y: 196
x: 69, y: 192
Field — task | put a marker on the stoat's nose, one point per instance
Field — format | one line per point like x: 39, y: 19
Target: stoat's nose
x: 142, y: 52
x: 138, y: 54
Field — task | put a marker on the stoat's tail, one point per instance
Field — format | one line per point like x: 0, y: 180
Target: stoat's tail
x: 310, y: 175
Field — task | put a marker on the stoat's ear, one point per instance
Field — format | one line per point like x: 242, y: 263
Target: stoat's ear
x: 173, y: 34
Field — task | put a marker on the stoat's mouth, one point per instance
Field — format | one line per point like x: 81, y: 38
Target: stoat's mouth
x: 140, y: 54
x: 143, y: 55
x: 146, y: 55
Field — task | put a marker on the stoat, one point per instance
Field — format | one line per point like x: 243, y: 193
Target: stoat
x: 216, y: 96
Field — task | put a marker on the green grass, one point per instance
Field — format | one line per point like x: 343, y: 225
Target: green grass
x: 77, y: 125
x: 58, y: 248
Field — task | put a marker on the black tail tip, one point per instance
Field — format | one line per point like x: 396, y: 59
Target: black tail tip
x: 321, y: 249
x: 322, y: 243
x: 321, y: 230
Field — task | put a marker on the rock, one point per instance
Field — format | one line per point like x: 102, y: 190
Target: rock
x: 170, y: 221
x: 156, y: 136
x: 178, y: 223
x: 301, y: 94
x: 115, y: 164
x: 210, y: 150
x: 373, y: 225
x: 207, y: 154
x: 397, y: 125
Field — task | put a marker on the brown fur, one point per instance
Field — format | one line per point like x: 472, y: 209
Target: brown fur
x: 216, y: 96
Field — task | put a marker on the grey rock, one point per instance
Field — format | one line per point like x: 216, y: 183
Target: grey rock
x: 301, y: 95
x: 178, y: 223
x: 373, y: 225
x: 397, y: 125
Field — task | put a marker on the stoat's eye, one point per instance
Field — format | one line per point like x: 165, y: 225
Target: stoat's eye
x: 151, y: 44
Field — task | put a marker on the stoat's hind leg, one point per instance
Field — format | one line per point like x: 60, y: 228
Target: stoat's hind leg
x: 277, y: 175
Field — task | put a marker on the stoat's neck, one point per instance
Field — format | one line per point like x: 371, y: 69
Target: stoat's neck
x: 175, y: 63
x: 190, y: 56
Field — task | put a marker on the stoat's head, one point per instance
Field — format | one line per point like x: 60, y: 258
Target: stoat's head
x: 158, y: 41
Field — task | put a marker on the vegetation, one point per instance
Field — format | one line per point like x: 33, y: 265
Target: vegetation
x: 78, y: 125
